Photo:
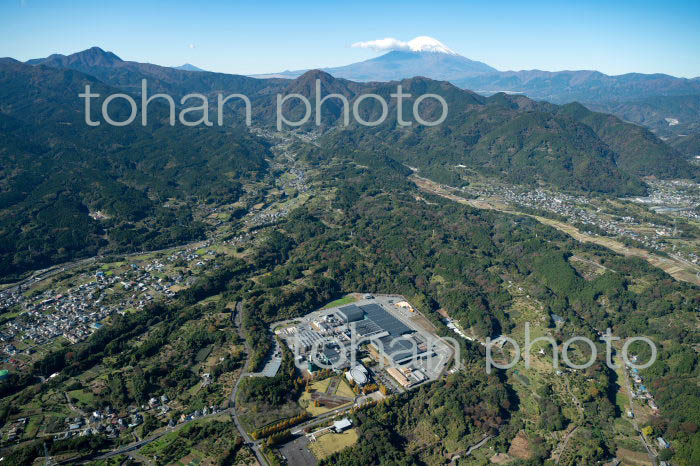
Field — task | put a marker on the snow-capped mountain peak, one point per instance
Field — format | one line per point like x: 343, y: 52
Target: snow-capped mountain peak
x: 419, y: 44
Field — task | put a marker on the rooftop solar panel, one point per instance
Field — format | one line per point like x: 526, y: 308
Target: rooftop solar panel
x: 381, y: 317
x: 367, y: 327
x: 398, y: 348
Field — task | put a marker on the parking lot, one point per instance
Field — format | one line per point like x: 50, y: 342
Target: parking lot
x: 296, y: 452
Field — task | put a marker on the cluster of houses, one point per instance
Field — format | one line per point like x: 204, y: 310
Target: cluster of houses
x: 298, y: 180
x: 206, y: 411
x: 106, y: 422
x: 78, y: 312
x: 110, y: 423
x: 640, y: 391
x: 16, y: 429
x: 268, y: 216
x: 74, y: 315
x: 567, y: 205
x: 675, y: 196
x: 240, y: 239
x: 189, y: 255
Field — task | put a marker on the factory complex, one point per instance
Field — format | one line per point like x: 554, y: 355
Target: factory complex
x: 375, y: 337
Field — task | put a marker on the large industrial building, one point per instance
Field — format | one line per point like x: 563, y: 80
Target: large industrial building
x: 376, y: 314
x: 351, y: 313
x: 326, y: 338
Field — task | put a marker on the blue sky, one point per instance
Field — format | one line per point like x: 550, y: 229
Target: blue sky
x: 615, y: 36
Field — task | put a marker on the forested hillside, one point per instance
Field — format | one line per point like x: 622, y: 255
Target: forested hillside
x: 57, y: 173
x: 134, y: 187
x: 369, y: 230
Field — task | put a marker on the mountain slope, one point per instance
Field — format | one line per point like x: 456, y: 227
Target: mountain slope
x: 638, y: 151
x: 57, y: 172
x: 399, y: 64
x: 60, y: 171
x: 515, y: 139
x: 92, y: 57
x: 511, y: 137
x: 554, y: 86
x: 583, y: 86
x: 666, y: 116
x: 127, y: 75
x: 687, y: 145
x: 653, y: 100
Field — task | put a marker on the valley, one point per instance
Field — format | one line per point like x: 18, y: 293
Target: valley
x: 682, y: 266
x: 174, y: 276
x: 179, y: 295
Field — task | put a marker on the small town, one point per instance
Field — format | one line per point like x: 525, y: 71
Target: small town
x: 668, y: 199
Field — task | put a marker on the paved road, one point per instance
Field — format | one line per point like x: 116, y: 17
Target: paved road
x: 628, y: 387
x: 140, y: 443
x: 478, y: 445
x: 255, y: 446
x: 472, y: 448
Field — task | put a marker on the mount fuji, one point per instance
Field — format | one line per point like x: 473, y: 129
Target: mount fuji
x: 422, y: 56
x: 647, y: 99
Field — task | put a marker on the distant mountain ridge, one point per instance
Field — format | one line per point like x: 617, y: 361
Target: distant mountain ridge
x: 508, y: 136
x: 91, y: 57
x: 127, y: 75
x: 56, y: 170
x: 668, y: 116
x: 400, y: 64
x: 188, y: 67
x: 636, y: 151
x: 558, y: 87
x: 584, y: 86
x: 613, y: 94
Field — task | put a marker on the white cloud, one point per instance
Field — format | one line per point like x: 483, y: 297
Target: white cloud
x: 382, y: 45
x: 419, y: 44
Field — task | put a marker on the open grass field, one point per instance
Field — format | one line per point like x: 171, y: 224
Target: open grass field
x: 321, y: 386
x: 633, y: 458
x: 314, y: 410
x: 344, y: 390
x: 328, y: 444
x: 82, y: 396
x: 340, y: 302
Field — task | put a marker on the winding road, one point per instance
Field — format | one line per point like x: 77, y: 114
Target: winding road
x: 255, y: 446
x: 628, y: 387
